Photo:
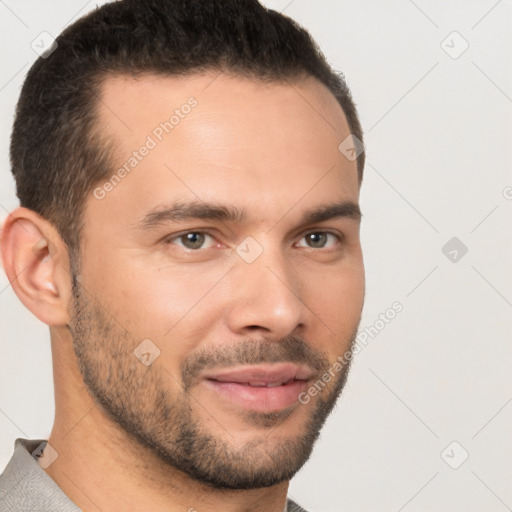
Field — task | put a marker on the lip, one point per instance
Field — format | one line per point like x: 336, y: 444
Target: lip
x: 261, y: 388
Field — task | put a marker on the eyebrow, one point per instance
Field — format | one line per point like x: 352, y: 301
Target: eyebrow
x: 332, y: 211
x: 197, y: 210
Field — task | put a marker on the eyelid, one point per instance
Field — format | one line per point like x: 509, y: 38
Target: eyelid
x: 339, y: 236
x: 334, y: 232
x: 169, y: 239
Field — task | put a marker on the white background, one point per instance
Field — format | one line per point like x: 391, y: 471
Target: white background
x: 438, y: 137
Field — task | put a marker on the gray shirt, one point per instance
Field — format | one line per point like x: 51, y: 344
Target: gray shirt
x: 25, y: 486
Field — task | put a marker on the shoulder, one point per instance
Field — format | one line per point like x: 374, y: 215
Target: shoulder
x: 293, y: 507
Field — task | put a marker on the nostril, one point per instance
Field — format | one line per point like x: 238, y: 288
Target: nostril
x: 257, y: 328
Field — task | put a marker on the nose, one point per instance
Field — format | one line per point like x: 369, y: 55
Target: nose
x: 265, y: 297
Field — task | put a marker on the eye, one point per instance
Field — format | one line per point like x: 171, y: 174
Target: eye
x: 193, y: 240
x: 320, y: 240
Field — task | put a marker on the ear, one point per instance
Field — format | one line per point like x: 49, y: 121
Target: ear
x: 36, y: 262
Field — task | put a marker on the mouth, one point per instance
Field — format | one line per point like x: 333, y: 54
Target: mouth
x: 260, y: 388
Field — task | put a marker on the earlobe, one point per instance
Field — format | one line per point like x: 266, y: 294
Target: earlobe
x: 36, y: 263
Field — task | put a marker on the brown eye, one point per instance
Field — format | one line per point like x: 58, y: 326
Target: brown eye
x: 319, y: 240
x: 194, y: 240
x: 316, y: 239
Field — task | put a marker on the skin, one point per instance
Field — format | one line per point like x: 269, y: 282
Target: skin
x: 270, y: 150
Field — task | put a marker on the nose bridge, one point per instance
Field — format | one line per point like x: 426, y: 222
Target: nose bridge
x: 266, y: 294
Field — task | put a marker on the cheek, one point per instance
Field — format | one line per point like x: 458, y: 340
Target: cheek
x: 336, y: 296
x: 172, y: 306
x: 149, y: 297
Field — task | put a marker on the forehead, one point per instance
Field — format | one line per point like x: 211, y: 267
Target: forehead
x: 224, y: 139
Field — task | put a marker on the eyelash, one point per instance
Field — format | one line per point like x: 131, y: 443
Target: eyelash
x: 170, y: 239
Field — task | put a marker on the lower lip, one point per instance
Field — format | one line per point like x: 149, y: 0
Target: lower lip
x: 259, y: 399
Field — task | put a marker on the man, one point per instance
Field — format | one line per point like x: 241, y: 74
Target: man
x: 189, y: 177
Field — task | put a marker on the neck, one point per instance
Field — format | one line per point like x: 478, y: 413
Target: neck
x: 101, y: 467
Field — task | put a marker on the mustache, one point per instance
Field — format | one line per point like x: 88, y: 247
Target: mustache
x: 290, y: 349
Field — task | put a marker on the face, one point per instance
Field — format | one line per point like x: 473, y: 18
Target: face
x: 221, y: 274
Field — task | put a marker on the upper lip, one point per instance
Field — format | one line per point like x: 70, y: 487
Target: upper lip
x: 262, y: 374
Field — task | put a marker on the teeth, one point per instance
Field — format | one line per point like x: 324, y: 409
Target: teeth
x: 265, y: 385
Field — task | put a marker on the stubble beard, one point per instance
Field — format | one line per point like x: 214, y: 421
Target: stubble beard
x: 137, y: 398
